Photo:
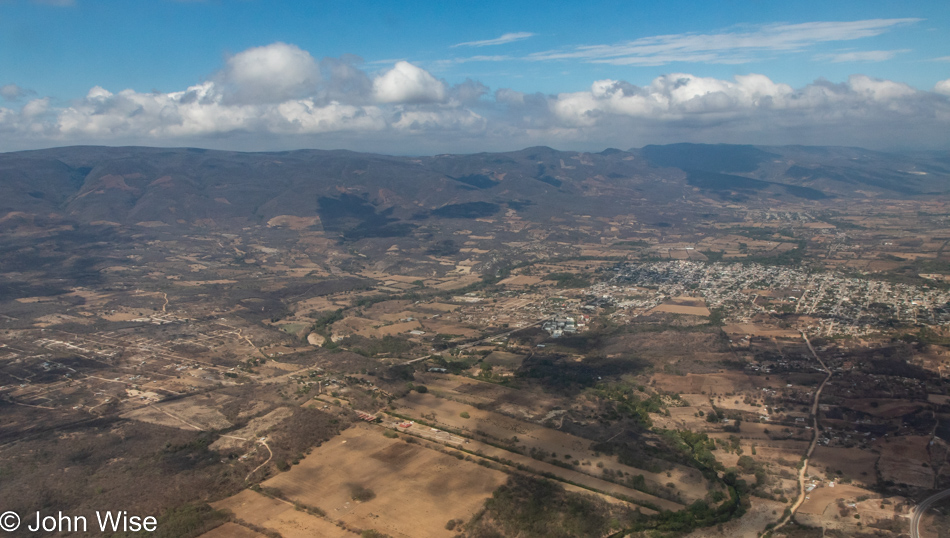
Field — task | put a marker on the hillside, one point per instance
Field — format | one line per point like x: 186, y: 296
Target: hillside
x: 364, y: 195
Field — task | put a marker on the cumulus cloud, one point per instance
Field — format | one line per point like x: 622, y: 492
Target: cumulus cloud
x: 278, y: 89
x: 670, y: 97
x: 35, y: 108
x: 503, y: 39
x: 203, y: 110
x: 406, y: 83
x: 438, y: 119
x: 343, y: 80
x: 271, y: 73
x: 879, y: 90
x: 468, y: 92
x: 687, y: 99
x: 863, y: 111
x: 280, y: 96
x: 731, y: 47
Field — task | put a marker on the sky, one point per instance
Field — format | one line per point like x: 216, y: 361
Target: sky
x: 435, y: 77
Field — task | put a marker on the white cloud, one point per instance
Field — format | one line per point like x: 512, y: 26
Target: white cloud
x: 406, y: 83
x: 271, y: 74
x: 35, y: 108
x: 670, y: 97
x: 438, y: 119
x: 203, y: 110
x: 863, y: 111
x: 505, y: 38
x: 305, y: 116
x: 736, y: 46
x: 335, y: 103
x: 272, y: 90
x: 878, y: 89
x: 942, y: 59
x: 860, y: 56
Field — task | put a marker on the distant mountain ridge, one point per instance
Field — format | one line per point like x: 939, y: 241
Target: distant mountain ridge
x: 365, y: 195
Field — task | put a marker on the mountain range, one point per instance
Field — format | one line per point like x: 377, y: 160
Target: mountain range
x: 360, y: 195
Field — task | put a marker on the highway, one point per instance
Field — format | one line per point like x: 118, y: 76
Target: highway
x: 922, y: 509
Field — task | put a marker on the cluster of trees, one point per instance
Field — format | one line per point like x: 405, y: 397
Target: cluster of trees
x: 694, y: 448
x: 454, y: 367
x: 536, y: 508
x: 189, y: 520
x: 373, y: 347
x: 628, y: 402
x: 110, y: 459
x: 324, y: 320
x: 298, y: 434
x: 569, y: 280
x: 793, y: 257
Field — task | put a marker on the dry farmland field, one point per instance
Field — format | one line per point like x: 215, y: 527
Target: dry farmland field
x: 460, y: 417
x: 369, y: 481
x: 276, y: 515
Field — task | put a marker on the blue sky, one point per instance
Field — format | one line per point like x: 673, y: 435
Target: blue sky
x: 473, y: 76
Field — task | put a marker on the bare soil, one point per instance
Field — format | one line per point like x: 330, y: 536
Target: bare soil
x: 277, y: 515
x: 416, y: 490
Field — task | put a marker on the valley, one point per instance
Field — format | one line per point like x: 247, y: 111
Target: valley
x: 623, y: 343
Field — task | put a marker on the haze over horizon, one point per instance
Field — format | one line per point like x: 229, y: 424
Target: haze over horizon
x: 463, y: 79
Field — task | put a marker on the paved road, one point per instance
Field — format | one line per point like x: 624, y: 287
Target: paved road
x: 922, y: 509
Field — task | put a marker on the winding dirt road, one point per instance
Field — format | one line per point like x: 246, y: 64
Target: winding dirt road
x: 269, y: 451
x: 814, y: 440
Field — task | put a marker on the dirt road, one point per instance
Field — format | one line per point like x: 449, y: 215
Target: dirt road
x: 483, y: 340
x: 814, y: 439
x: 262, y: 441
